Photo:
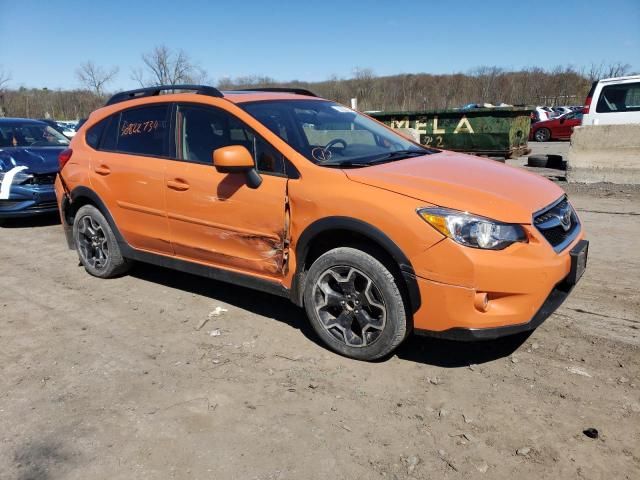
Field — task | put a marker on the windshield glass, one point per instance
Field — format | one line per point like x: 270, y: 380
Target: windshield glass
x: 329, y: 134
x: 30, y: 135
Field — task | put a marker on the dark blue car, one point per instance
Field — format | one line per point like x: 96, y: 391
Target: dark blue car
x: 29, y: 152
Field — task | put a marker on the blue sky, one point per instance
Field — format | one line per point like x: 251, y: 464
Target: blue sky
x: 43, y: 42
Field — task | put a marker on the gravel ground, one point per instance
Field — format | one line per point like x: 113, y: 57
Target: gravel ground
x: 112, y: 379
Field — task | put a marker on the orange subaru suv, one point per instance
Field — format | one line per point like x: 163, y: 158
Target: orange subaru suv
x: 375, y: 236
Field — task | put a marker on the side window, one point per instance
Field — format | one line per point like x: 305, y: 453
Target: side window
x: 110, y: 136
x: 144, y: 131
x: 619, y: 98
x: 203, y: 130
x: 95, y: 133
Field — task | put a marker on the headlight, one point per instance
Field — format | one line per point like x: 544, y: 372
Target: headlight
x: 471, y: 230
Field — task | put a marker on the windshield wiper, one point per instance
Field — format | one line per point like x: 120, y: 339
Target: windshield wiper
x: 398, y: 155
x: 388, y: 157
x: 343, y: 163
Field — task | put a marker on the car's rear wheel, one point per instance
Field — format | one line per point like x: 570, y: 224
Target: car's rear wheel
x: 354, y: 304
x: 542, y: 135
x: 97, y: 245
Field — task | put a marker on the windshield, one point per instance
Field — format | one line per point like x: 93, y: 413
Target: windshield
x: 329, y: 134
x: 30, y: 135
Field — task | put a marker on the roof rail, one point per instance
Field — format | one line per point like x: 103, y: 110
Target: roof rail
x: 153, y: 91
x: 297, y: 91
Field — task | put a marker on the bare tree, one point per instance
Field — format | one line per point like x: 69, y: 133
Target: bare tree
x: 164, y: 66
x: 364, y: 83
x: 487, y: 79
x: 4, y: 77
x: 94, y: 77
x: 598, y: 71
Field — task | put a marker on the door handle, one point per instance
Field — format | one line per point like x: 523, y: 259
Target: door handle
x: 178, y: 184
x: 102, y: 170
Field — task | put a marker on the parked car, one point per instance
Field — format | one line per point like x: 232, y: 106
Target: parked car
x: 559, y: 128
x: 613, y: 101
x: 542, y: 114
x: 561, y: 110
x: 29, y: 152
x: 64, y: 129
x: 282, y: 191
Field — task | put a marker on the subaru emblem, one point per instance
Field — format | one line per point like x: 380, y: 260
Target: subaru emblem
x: 565, y: 220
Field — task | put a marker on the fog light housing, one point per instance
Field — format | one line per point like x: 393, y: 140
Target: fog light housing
x: 481, y: 301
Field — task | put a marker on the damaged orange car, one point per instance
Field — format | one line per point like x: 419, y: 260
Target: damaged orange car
x: 278, y: 190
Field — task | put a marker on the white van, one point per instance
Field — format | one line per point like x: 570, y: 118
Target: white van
x: 613, y: 101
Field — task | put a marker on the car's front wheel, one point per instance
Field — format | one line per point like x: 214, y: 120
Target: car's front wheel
x: 96, y: 244
x: 354, y: 304
x: 542, y: 135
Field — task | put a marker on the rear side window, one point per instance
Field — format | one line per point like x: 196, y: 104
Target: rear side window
x: 94, y: 134
x: 144, y: 131
x: 619, y: 98
x: 139, y: 131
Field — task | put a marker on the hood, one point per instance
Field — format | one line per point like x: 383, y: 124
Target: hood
x: 464, y: 182
x: 39, y: 160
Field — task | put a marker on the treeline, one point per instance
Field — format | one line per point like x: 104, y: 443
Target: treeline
x: 421, y: 91
x: 45, y: 103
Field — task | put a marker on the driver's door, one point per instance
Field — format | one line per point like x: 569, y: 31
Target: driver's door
x: 565, y: 125
x: 215, y: 218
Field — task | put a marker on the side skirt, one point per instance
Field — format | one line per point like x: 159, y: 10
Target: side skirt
x: 212, y: 273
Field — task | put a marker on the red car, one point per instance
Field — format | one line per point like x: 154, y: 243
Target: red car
x: 559, y: 128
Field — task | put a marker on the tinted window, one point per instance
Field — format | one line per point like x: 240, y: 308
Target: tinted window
x: 619, y: 98
x: 203, y: 130
x: 95, y: 133
x: 110, y: 136
x: 141, y: 131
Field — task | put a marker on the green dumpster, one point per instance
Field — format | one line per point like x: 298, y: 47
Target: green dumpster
x: 498, y: 131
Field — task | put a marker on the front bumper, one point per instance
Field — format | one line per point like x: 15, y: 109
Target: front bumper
x: 521, y: 295
x: 28, y: 200
x: 557, y: 296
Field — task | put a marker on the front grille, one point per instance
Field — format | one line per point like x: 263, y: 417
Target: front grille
x: 558, y: 223
x: 48, y: 179
x: 41, y: 179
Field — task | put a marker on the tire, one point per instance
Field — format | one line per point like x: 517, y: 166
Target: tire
x: 347, y: 288
x: 542, y: 135
x: 556, y: 161
x: 96, y: 244
x: 539, y: 161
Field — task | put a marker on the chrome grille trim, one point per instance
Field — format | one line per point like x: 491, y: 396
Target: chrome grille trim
x: 549, y: 223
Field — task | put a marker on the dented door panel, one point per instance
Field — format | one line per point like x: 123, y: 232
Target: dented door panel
x: 220, y: 221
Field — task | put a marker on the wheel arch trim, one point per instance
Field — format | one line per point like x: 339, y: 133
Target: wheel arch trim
x: 368, y: 231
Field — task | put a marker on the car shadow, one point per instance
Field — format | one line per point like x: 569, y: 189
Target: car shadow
x: 452, y: 354
x: 419, y: 349
x: 44, y: 220
x: 254, y: 301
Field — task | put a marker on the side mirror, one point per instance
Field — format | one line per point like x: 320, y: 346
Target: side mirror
x: 562, y: 120
x: 237, y: 159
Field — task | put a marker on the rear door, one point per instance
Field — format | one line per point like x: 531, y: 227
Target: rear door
x: 127, y: 172
x: 215, y: 218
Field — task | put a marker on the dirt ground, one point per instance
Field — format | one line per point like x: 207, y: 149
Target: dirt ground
x: 112, y: 379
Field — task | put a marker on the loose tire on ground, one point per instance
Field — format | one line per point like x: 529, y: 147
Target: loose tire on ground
x: 539, y: 161
x: 354, y: 304
x: 96, y: 244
